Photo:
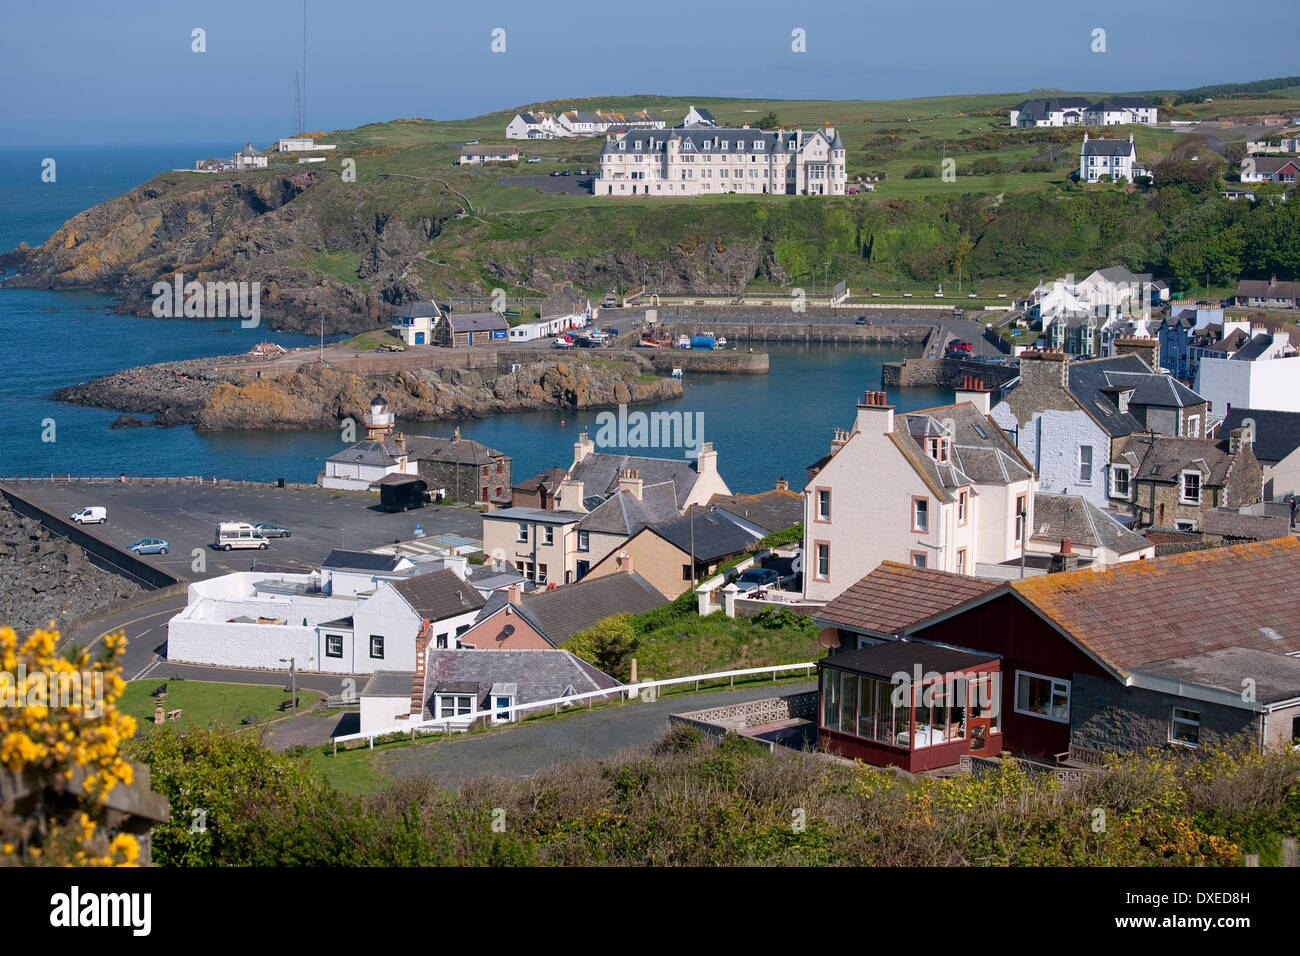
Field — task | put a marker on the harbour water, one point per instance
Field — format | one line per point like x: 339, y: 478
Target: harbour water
x: 764, y: 427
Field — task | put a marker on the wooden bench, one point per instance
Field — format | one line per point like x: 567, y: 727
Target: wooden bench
x: 174, y: 714
x: 1081, y: 757
x: 287, y: 705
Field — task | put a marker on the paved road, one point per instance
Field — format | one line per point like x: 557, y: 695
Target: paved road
x: 186, y: 517
x: 519, y: 752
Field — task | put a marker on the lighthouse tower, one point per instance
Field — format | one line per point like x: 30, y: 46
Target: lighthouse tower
x: 379, y: 420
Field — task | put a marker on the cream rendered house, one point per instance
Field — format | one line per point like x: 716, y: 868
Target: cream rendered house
x: 941, y: 488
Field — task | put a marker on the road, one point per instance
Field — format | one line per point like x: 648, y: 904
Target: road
x: 519, y: 752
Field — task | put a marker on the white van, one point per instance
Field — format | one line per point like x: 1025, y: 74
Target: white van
x: 238, y: 534
x: 93, y: 515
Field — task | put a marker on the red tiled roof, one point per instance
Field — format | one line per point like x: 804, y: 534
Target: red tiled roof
x: 896, y: 596
x: 1135, y: 613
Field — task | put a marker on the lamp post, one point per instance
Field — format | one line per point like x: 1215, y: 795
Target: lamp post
x: 293, y: 683
x: 1021, y: 518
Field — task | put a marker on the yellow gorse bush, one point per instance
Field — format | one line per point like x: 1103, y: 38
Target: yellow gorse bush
x: 40, y: 731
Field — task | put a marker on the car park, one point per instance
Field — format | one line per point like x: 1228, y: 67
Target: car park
x: 271, y: 530
x: 92, y: 515
x: 238, y: 534
x: 755, y: 578
x: 149, y: 546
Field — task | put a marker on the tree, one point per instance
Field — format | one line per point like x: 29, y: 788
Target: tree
x: 609, y: 644
x: 59, y: 717
x: 768, y: 122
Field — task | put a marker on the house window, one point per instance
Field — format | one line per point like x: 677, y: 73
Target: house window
x: 522, y: 536
x: 1119, y: 481
x: 584, y: 540
x: 454, y: 705
x: 1022, y: 517
x: 1085, y: 464
x: 1184, y: 525
x: 541, y: 573
x: 920, y: 514
x: 823, y: 561
x: 501, y: 709
x: 377, y: 646
x: 500, y: 466
x: 1185, y: 727
x: 918, y: 559
x: 962, y: 500
x: 1191, y: 488
x: 823, y: 504
x: 686, y: 572
x: 333, y: 645
x: 961, y: 560
x: 1040, y: 696
x: 548, y: 535
x: 441, y: 642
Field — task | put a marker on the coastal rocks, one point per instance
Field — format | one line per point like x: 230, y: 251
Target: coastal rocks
x: 128, y: 421
x: 46, y: 578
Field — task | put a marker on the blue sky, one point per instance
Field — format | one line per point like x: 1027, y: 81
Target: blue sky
x: 95, y: 72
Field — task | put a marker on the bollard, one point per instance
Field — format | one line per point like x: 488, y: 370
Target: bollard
x: 1289, y: 855
x: 1252, y: 859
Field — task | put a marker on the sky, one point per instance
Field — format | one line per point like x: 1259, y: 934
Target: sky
x: 86, y: 71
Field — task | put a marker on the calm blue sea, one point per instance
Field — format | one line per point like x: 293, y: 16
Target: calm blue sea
x: 764, y: 427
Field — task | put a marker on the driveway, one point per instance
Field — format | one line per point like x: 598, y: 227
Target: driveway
x: 519, y: 752
x: 553, y: 185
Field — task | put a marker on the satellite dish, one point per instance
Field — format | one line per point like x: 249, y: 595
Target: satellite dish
x: 508, y: 630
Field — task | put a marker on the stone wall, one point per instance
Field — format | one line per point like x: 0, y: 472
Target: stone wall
x: 1107, y: 716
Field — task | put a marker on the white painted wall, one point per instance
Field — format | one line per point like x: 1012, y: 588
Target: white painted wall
x: 1266, y: 384
x: 1051, y: 441
x: 378, y: 713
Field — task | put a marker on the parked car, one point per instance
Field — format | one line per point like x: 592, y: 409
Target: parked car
x: 533, y: 159
x: 149, y: 546
x: 861, y: 320
x: 564, y: 172
x: 555, y: 172
x: 755, y: 578
x: 609, y: 330
x: 91, y: 515
x: 561, y: 344
x: 270, y: 529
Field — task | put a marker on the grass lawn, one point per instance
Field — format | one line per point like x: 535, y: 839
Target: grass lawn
x: 206, y: 704
x: 369, y: 341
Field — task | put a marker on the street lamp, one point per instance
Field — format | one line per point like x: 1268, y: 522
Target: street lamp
x: 293, y: 683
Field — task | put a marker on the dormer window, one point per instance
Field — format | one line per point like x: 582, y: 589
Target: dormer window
x: 724, y: 144
x: 938, y: 449
x: 706, y: 145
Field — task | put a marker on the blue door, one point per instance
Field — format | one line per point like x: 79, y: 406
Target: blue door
x: 419, y: 338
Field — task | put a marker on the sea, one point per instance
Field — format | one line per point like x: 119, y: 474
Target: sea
x: 764, y: 427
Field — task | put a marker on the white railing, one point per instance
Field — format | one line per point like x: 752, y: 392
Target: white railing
x: 445, y: 724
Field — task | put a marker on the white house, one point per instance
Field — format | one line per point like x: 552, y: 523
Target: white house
x: 1078, y: 111
x: 300, y: 146
x: 249, y: 158
x: 415, y: 322
x: 382, y: 453
x: 1260, y: 383
x: 535, y: 125
x: 263, y: 620
x: 698, y: 117
x: 1269, y: 170
x: 1107, y: 157
x: 479, y: 155
x: 941, y: 488
x: 1119, y: 111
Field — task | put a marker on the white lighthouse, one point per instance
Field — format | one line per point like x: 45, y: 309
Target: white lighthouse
x: 379, y: 420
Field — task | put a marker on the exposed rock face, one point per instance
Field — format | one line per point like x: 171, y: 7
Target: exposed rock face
x: 317, y: 396
x: 46, y: 578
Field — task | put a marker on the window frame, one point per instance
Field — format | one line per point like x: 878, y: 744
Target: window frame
x: 1078, y: 464
x: 818, y: 574
x: 584, y: 540
x: 925, y: 501
x: 1015, y: 698
x: 820, y: 515
x: 521, y: 532
x: 1183, y: 475
x: 1194, y: 721
x: 1115, y: 471
x: 329, y: 642
x: 963, y: 508
x: 380, y: 639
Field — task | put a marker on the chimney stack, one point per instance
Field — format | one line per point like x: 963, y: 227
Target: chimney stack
x: 514, y: 593
x: 583, y: 447
x: 706, y: 460
x: 1048, y: 369
x: 1240, y: 438
x: 421, y: 655
x: 782, y: 485
x: 625, y: 562
x: 1063, y: 560
x: 875, y: 415
x: 972, y: 390
x: 630, y: 481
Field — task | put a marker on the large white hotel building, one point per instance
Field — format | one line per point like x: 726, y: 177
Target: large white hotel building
x: 698, y: 161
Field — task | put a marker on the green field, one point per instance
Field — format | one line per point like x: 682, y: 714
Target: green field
x: 210, y: 705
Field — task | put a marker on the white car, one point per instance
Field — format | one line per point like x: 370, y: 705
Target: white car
x: 92, y: 515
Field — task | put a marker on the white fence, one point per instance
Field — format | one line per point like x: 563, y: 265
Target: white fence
x: 623, y: 691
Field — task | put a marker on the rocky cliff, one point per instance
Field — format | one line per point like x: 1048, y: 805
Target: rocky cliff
x: 316, y: 396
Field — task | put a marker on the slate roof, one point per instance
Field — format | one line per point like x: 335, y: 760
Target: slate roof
x: 418, y: 310
x: 1094, y: 384
x: 558, y: 615
x: 549, y: 479
x: 1276, y: 676
x: 1228, y: 523
x: 477, y: 322
x: 1162, y: 458
x: 692, y: 139
x: 521, y: 513
x: 1113, y: 103
x: 624, y: 514
x: 980, y: 451
x: 539, y: 674
x: 715, y: 536
x: 462, y: 451
x: 1107, y: 147
x: 897, y: 596
x: 599, y: 473
x: 1253, y: 349
x: 361, y: 560
x: 439, y: 594
x: 773, y: 510
x: 1083, y: 523
x: 1277, y: 434
x: 491, y: 576
x: 1042, y: 107
x: 371, y: 451
x: 1260, y: 289
x: 1139, y: 612
x: 1271, y: 165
